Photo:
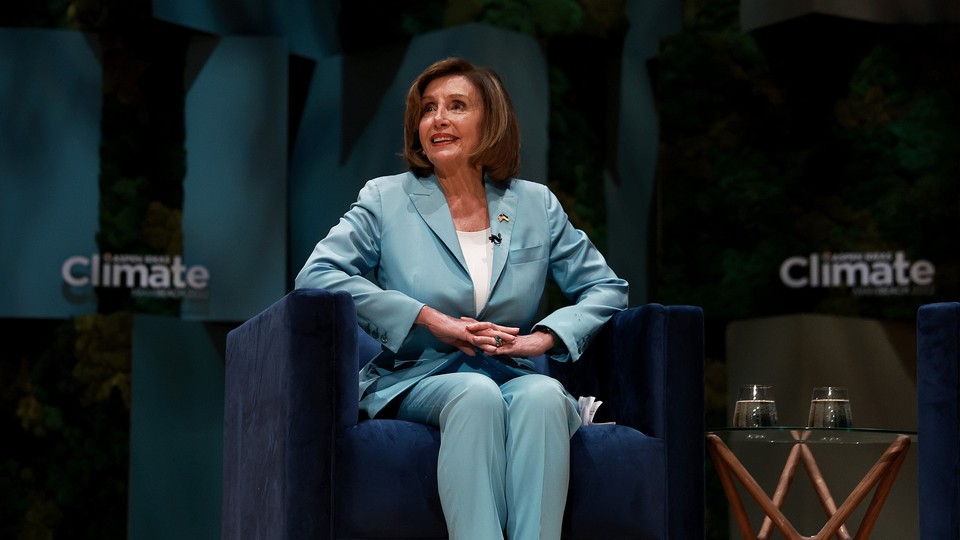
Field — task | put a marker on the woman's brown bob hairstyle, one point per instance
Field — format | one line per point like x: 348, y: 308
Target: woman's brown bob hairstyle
x: 499, y: 148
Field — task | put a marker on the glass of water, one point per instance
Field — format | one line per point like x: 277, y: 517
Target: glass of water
x: 755, y: 407
x: 830, y: 408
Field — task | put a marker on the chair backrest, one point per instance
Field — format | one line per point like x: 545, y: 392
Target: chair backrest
x: 938, y: 419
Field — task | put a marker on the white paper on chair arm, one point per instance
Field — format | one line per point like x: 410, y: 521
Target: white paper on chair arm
x: 588, y: 409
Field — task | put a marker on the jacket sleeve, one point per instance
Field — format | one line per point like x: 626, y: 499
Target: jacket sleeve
x: 586, y: 280
x: 349, y: 253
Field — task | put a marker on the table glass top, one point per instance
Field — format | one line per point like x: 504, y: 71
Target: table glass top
x: 792, y: 434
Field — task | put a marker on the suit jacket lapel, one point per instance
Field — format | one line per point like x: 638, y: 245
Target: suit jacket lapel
x: 501, y: 206
x: 430, y: 202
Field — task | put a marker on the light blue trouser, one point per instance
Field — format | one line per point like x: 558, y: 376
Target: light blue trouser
x: 504, y: 452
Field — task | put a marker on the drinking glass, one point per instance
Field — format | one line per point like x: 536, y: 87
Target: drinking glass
x: 830, y: 408
x: 755, y: 407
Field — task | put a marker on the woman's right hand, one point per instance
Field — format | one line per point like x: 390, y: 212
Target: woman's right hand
x: 447, y: 329
x: 493, y: 338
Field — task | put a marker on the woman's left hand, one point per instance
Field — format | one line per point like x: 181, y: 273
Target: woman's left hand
x: 495, y: 339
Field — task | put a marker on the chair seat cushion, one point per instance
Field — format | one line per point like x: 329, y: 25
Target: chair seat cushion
x: 386, y: 483
x: 616, y: 485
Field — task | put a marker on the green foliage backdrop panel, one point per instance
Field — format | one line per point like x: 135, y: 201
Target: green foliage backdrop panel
x: 812, y: 138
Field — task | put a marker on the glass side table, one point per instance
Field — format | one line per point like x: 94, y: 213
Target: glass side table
x: 880, y: 476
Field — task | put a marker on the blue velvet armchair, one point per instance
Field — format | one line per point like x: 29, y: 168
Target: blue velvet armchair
x: 300, y: 462
x: 938, y: 419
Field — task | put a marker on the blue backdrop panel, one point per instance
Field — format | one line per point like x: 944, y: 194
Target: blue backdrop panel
x: 309, y: 25
x: 176, y: 433
x: 629, y: 201
x: 321, y: 188
x: 234, y: 215
x: 49, y: 167
x: 324, y: 184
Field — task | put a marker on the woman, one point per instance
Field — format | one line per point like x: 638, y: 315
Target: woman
x: 458, y: 252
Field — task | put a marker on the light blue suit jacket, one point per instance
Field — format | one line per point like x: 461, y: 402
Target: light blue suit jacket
x: 400, y: 235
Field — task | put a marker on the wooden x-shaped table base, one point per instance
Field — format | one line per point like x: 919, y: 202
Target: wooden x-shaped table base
x: 881, y: 476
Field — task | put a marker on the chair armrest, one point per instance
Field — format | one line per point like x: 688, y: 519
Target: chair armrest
x: 938, y: 418
x: 281, y: 412
x: 646, y: 365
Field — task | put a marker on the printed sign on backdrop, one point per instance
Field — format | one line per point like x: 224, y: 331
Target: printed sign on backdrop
x: 148, y: 276
x: 878, y: 273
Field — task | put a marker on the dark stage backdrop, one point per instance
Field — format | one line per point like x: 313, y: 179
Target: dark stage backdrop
x: 194, y: 150
x: 167, y: 166
x: 808, y: 197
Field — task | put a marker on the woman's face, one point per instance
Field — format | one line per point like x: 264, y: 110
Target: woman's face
x: 451, y: 111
